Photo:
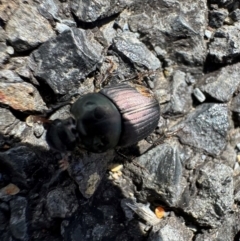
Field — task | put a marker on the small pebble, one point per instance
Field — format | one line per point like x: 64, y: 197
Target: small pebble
x: 199, y: 95
x: 208, y: 34
x: 10, y: 50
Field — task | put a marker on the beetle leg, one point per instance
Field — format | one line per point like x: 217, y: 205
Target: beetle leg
x: 63, y: 163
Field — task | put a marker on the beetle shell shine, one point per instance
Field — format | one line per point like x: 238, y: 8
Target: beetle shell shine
x: 119, y: 115
x: 139, y: 110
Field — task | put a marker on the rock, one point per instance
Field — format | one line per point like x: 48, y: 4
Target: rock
x: 88, y: 11
x: 235, y: 104
x: 225, y: 45
x: 62, y: 70
x: 49, y: 9
x: 222, y: 84
x: 7, y: 121
x: 21, y: 96
x: 181, y: 99
x: 20, y: 66
x: 235, y: 15
x: 216, y: 17
x: 61, y: 27
x: 4, y: 211
x: 171, y: 229
x: 108, y: 32
x: 4, y: 57
x: 208, y: 34
x: 18, y: 220
x: 229, y: 156
x: 214, y: 198
x: 3, y: 35
x: 172, y: 30
x: 199, y: 95
x: 7, y: 8
x: 9, y: 76
x: 196, y: 160
x: 24, y: 26
x: 205, y: 128
x: 87, y: 169
x: 61, y: 202
x: 136, y: 52
x: 227, y: 231
x: 162, y: 173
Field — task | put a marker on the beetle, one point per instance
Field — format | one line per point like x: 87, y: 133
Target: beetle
x: 117, y: 116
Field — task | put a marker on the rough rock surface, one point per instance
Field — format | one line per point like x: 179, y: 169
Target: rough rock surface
x: 224, y: 47
x: 206, y: 128
x: 62, y: 69
x: 21, y: 96
x: 215, y: 195
x: 88, y: 11
x: 182, y: 182
x: 222, y: 84
x: 24, y: 26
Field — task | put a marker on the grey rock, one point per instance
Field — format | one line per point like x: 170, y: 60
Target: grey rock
x: 7, y: 121
x: 3, y: 35
x: 162, y: 88
x: 49, y: 9
x: 62, y: 70
x: 235, y: 15
x: 108, y: 32
x: 61, y: 27
x: 61, y: 202
x: 208, y: 34
x: 69, y: 23
x: 18, y: 219
x: 222, y: 84
x: 206, y: 128
x: 136, y: 52
x: 24, y: 26
x: 216, y: 17
x: 199, y: 95
x: 163, y: 174
x: 225, y: 45
x: 235, y: 104
x: 4, y: 56
x: 196, y: 160
x: 214, y: 199
x: 181, y: 99
x: 171, y: 30
x: 171, y: 229
x: 226, y: 232
x: 90, y: 11
x: 88, y: 169
x: 229, y: 156
x: 19, y: 67
x: 10, y: 50
x: 8, y: 76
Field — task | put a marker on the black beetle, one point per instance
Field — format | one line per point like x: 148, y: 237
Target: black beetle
x: 118, y: 115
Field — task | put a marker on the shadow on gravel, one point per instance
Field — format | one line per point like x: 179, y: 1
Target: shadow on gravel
x: 44, y: 203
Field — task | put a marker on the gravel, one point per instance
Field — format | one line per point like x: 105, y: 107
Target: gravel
x: 187, y: 53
